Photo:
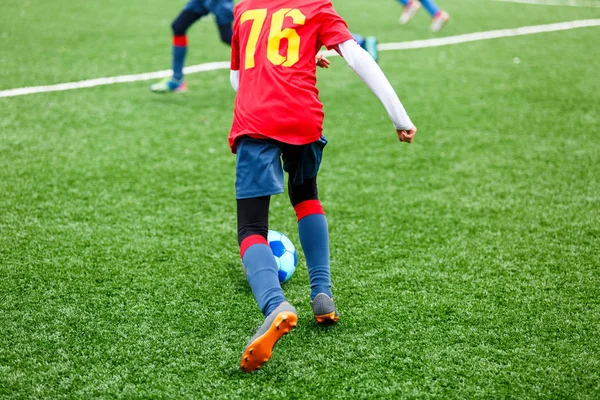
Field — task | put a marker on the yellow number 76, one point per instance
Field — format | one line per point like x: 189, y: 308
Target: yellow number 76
x: 276, y: 33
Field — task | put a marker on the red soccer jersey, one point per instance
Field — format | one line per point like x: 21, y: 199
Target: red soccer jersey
x: 274, y: 47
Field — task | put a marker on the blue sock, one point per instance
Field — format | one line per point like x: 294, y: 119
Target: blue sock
x: 359, y: 39
x: 430, y: 6
x: 404, y: 2
x: 179, y: 52
x: 261, y: 272
x: 314, y: 238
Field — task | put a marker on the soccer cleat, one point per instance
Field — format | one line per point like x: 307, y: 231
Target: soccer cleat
x: 409, y: 11
x: 169, y: 85
x: 439, y: 20
x: 324, y: 310
x: 260, y: 348
x: 371, y: 47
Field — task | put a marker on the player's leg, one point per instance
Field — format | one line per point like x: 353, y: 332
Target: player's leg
x: 430, y: 6
x: 314, y: 238
x: 191, y: 13
x: 257, y: 257
x: 302, y: 163
x: 409, y: 10
x: 223, y: 12
x: 369, y: 44
x: 313, y: 232
x: 226, y: 33
x: 258, y: 176
x: 261, y: 272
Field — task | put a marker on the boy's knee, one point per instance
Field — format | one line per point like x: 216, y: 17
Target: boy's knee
x: 184, y: 20
x: 305, y: 191
x: 178, y: 28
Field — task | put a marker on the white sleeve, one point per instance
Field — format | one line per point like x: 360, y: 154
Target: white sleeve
x: 234, y: 78
x: 363, y: 64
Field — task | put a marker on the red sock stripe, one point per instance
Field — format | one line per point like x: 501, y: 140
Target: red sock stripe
x: 180, y: 41
x: 251, y: 241
x: 308, y: 207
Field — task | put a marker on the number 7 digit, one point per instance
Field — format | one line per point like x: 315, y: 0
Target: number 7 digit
x: 258, y: 19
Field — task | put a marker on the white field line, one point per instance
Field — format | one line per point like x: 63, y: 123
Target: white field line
x: 212, y: 66
x: 564, y: 3
x: 500, y: 33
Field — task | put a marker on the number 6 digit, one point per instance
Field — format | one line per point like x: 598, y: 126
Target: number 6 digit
x: 277, y: 33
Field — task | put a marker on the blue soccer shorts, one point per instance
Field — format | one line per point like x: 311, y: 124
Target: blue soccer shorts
x: 260, y: 164
x: 221, y: 9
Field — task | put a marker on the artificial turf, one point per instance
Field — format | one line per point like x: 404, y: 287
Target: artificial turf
x: 466, y: 265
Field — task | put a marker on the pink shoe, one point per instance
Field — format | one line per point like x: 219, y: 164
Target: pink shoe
x: 439, y: 20
x: 409, y: 11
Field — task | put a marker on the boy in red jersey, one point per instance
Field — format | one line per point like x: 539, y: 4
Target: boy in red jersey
x: 278, y: 117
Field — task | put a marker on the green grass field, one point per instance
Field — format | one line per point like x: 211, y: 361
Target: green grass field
x: 466, y: 265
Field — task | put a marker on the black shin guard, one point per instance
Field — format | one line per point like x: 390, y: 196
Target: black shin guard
x: 305, y: 191
x: 184, y: 20
x: 253, y: 217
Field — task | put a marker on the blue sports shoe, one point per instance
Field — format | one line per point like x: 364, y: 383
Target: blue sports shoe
x: 370, y: 46
x: 169, y: 85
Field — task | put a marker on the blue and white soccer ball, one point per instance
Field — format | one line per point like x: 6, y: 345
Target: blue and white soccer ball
x: 285, y: 254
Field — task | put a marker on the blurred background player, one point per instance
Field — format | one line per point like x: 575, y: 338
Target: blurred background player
x: 223, y: 12
x: 192, y: 12
x: 440, y: 17
x: 277, y: 126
